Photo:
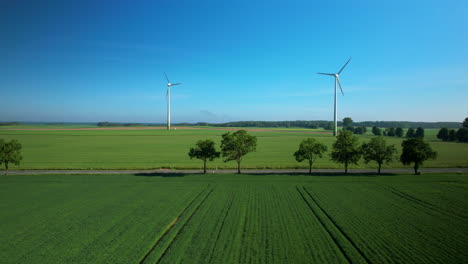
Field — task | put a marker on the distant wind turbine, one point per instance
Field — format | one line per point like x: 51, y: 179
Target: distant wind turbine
x: 168, y: 95
x: 337, y: 80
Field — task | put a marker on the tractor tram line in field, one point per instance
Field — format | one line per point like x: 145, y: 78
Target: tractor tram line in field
x: 420, y: 202
x: 171, y: 226
x: 220, y: 230
x: 351, y: 252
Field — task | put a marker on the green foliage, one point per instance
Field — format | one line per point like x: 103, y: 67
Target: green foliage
x: 399, y: 132
x: 443, y: 134
x: 462, y: 134
x: 310, y: 149
x: 419, y: 133
x: 465, y: 123
x: 390, y: 131
x: 347, y: 122
x: 377, y: 150
x: 376, y: 131
x: 234, y: 146
x: 229, y: 218
x: 360, y: 130
x: 410, y: 133
x: 204, y: 150
x: 10, y: 152
x: 416, y: 151
x: 452, y: 136
x: 346, y: 149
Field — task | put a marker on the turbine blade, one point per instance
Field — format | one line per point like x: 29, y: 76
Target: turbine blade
x: 339, y: 84
x: 344, y: 66
x: 172, y: 84
x: 330, y: 74
x: 166, y: 77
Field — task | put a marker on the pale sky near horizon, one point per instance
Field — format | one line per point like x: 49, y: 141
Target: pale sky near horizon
x: 91, y: 61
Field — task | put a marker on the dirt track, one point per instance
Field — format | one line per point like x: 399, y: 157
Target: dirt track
x: 163, y: 128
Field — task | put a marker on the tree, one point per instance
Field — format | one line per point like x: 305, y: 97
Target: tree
x: 347, y: 122
x: 234, y: 146
x: 378, y: 151
x: 376, y: 131
x: 328, y: 126
x: 204, y: 150
x: 360, y: 130
x: 443, y: 134
x: 399, y: 132
x: 416, y: 151
x: 410, y: 133
x: 10, y: 152
x: 462, y: 134
x: 310, y: 149
x: 419, y: 133
x: 465, y: 123
x: 452, y: 135
x: 391, y: 132
x: 346, y: 149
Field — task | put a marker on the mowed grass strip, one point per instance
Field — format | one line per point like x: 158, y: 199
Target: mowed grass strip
x: 154, y: 149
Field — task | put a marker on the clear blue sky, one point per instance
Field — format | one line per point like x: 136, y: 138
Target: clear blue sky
x: 92, y: 61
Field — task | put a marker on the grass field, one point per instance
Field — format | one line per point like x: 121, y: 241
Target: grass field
x: 154, y: 149
x: 234, y: 219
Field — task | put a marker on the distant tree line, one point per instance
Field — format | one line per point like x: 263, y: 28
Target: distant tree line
x: 9, y: 123
x: 109, y: 124
x: 460, y: 135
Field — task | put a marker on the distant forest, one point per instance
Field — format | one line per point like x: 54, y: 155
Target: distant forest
x: 307, y: 124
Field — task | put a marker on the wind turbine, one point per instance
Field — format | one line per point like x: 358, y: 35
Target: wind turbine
x: 168, y: 95
x: 337, y: 80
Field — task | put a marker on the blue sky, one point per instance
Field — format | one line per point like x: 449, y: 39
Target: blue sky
x: 89, y: 61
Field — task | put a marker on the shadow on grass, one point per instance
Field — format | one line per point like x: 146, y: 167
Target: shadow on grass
x: 163, y: 174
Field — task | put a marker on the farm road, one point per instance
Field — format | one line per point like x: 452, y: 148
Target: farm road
x: 246, y: 171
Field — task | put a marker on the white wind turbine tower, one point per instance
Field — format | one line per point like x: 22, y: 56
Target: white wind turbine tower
x: 337, y: 80
x: 168, y: 95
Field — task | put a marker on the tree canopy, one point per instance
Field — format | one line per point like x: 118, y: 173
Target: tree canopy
x: 346, y: 149
x: 234, y: 146
x: 310, y: 149
x: 10, y: 152
x: 377, y: 150
x: 416, y: 151
x: 204, y: 150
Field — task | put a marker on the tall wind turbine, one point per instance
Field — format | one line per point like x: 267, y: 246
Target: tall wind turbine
x: 337, y: 80
x: 168, y: 95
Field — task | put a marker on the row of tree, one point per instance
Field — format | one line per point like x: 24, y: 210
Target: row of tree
x: 453, y: 135
x: 10, y: 153
x: 399, y: 132
x: 346, y: 150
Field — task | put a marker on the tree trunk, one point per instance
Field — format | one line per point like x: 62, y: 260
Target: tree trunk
x: 380, y: 165
x: 346, y: 168
x: 6, y: 168
x: 310, y: 167
x: 204, y: 166
x: 416, y: 166
x: 238, y: 167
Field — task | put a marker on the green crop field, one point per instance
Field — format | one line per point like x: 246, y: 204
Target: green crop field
x: 225, y: 218
x: 154, y: 149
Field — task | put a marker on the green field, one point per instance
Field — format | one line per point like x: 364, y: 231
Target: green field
x: 224, y: 218
x: 154, y: 149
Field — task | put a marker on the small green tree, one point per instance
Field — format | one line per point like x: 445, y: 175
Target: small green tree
x: 443, y: 134
x: 234, y: 146
x: 399, y: 132
x: 310, y: 149
x: 416, y: 151
x: 410, y: 133
x: 452, y: 135
x: 391, y: 132
x: 204, y: 150
x: 419, y: 133
x: 465, y: 123
x: 376, y: 131
x: 10, y: 152
x: 346, y: 149
x: 347, y: 122
x: 462, y: 134
x: 377, y: 150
